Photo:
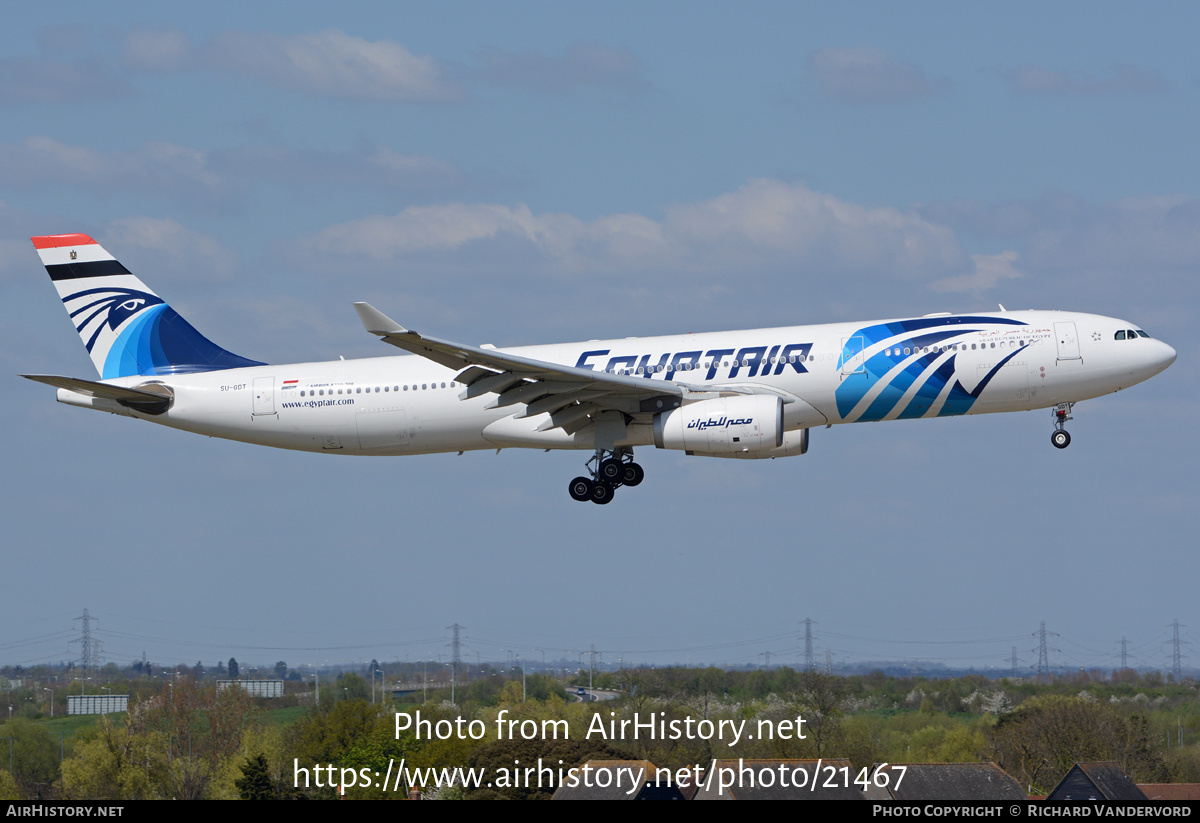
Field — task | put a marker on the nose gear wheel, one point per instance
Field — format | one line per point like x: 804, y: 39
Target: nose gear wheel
x: 1060, y: 437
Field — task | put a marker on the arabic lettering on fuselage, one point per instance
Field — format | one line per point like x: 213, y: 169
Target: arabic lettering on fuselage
x: 721, y: 423
x: 756, y: 360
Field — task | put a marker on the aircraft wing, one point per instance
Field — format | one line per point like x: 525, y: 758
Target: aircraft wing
x: 570, y: 395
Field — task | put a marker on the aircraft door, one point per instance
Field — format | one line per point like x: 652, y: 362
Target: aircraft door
x: 1068, y: 341
x: 853, y: 361
x: 264, y: 395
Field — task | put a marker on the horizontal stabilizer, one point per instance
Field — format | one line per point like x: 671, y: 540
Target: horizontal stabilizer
x: 154, y: 402
x: 94, y: 389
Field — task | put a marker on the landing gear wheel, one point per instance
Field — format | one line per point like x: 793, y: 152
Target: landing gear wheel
x: 611, y: 470
x: 602, y: 493
x: 632, y: 474
x: 608, y: 470
x: 1061, y: 439
x: 581, y: 489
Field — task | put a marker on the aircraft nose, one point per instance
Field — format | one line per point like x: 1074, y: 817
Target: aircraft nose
x: 1166, y: 356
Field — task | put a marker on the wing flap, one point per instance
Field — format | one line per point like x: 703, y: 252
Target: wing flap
x: 529, y: 392
x: 470, y: 375
x: 555, y: 402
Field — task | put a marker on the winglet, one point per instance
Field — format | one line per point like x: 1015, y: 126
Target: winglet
x: 376, y: 322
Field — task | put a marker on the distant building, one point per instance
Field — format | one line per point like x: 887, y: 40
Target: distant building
x: 947, y: 781
x: 254, y: 688
x: 1171, y: 791
x: 1096, y: 781
x: 97, y: 703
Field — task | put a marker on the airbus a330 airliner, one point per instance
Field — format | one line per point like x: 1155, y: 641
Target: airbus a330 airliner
x: 748, y: 394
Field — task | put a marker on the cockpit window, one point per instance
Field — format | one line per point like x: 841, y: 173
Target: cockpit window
x: 1121, y: 335
x: 1141, y: 333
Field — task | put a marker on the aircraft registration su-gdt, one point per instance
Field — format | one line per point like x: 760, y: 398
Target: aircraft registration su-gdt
x: 747, y: 394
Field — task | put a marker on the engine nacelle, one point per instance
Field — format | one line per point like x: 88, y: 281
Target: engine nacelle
x: 724, y: 426
x: 794, y: 442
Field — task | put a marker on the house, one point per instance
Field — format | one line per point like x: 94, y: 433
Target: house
x: 946, y: 781
x: 626, y: 780
x: 1096, y: 781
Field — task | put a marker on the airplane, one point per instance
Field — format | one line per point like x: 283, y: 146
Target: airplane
x: 735, y: 394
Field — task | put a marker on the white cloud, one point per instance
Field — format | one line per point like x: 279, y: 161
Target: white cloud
x: 1129, y: 236
x: 765, y: 223
x: 156, y: 166
x: 157, y: 50
x: 989, y: 271
x: 366, y: 165
x: 188, y: 173
x: 1064, y: 232
x: 334, y: 64
x: 770, y: 220
x: 328, y: 63
x: 865, y: 75
x: 1122, y: 79
x: 425, y: 228
x: 187, y: 249
x: 583, y: 64
x: 49, y: 80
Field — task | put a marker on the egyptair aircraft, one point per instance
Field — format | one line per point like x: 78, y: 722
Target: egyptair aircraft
x: 747, y: 394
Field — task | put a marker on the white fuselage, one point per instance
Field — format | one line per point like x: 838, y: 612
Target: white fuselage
x: 828, y: 374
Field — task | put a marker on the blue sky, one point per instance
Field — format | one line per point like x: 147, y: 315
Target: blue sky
x: 534, y: 172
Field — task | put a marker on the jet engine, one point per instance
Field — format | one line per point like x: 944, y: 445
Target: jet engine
x: 748, y: 425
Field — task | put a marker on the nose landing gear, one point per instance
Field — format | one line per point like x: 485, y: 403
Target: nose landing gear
x: 1061, y: 438
x: 609, y: 469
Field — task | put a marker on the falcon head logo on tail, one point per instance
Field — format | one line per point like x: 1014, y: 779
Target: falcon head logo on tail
x: 128, y: 330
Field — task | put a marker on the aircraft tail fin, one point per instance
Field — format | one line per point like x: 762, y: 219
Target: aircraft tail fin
x: 128, y: 330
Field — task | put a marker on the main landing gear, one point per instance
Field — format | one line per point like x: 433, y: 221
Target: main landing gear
x: 1061, y: 438
x: 609, y: 469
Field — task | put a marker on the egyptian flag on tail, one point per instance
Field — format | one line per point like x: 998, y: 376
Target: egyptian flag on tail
x: 128, y: 330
